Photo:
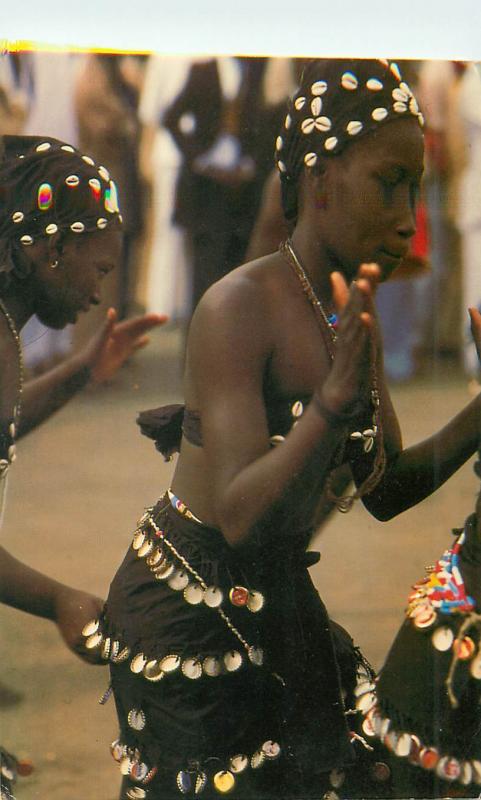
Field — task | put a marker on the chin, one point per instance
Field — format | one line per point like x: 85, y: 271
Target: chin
x: 55, y: 320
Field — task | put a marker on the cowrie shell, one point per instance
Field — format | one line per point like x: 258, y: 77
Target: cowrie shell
x: 104, y: 173
x: 288, y: 122
x: 138, y: 540
x: 42, y: 148
x: 194, y: 594
x: 89, y: 161
x: 307, y: 125
x: 67, y: 148
x: 26, y: 239
x: 17, y: 216
x: 77, y: 227
x: 192, y: 668
x: 349, y: 81
x: 232, y: 660
x: 316, y: 106
x: 238, y: 763
x: 153, y: 671
x: 145, y: 549
x: 299, y: 103
x: 52, y: 228
x: 442, y: 638
x: 94, y: 641
x: 374, y: 84
x: 179, y: 581
x: 212, y: 666
x: 72, y: 180
x: 310, y: 159
x: 101, y: 223
x: 400, y: 107
x: 279, y: 143
x: 398, y: 94
x: 213, y: 596
x: 413, y: 106
x: 323, y: 124
x: 318, y: 88
x: 138, y: 663
x: 330, y: 143
x: 379, y: 114
x: 354, y: 127
x: 281, y: 166
x: 91, y: 627
x: 395, y: 71
x: 170, y: 663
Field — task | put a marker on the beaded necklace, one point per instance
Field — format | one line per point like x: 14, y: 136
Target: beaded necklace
x: 327, y: 325
x: 4, y: 463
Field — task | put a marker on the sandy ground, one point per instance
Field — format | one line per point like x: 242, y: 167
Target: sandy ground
x: 76, y: 492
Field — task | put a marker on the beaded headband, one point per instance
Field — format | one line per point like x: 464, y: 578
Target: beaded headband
x: 48, y: 186
x: 338, y: 102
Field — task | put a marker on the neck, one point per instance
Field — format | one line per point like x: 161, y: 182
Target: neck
x: 314, y: 261
x: 17, y: 306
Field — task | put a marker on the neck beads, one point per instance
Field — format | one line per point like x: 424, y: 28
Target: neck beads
x: 7, y: 439
x: 327, y: 325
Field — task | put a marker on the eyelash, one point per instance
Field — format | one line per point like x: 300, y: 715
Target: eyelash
x: 389, y: 184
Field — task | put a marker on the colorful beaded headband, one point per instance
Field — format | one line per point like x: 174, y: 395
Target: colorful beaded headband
x: 338, y: 102
x: 47, y: 186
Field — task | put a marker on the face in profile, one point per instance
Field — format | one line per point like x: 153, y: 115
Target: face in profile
x: 62, y: 293
x: 371, y: 191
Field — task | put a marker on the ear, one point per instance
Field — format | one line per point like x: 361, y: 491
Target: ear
x: 316, y: 180
x: 55, y: 245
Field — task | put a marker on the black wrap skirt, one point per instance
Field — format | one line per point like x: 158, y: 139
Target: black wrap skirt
x: 227, y: 673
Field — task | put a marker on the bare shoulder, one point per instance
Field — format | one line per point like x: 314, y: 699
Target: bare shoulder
x: 239, y: 306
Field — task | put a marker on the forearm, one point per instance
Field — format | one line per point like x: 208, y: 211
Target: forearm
x: 269, y: 487
x: 44, y: 395
x: 416, y: 472
x: 26, y: 589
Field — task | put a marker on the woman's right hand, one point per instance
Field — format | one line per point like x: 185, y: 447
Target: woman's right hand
x: 476, y: 329
x: 348, y: 381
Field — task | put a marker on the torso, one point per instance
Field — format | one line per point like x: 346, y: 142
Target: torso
x: 297, y: 362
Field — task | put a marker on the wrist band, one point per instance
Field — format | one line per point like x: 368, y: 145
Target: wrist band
x: 332, y: 417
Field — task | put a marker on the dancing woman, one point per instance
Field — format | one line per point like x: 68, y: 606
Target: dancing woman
x: 228, y: 674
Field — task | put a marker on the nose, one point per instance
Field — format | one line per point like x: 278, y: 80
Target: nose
x: 406, y: 217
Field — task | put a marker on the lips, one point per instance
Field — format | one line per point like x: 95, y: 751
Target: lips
x: 393, y: 255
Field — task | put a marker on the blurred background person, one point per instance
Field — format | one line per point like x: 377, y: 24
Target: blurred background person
x: 106, y: 96
x: 164, y: 282
x: 468, y: 210
x: 222, y: 122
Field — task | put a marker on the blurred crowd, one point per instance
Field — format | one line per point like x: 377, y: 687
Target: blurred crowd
x: 190, y: 144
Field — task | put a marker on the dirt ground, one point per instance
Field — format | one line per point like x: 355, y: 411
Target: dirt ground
x: 75, y: 494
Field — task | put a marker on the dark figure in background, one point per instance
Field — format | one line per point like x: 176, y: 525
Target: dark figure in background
x: 225, y: 141
x: 106, y: 98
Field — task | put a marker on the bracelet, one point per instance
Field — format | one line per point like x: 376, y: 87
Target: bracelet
x: 333, y: 418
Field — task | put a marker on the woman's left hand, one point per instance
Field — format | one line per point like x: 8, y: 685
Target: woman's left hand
x: 476, y: 329
x: 73, y: 609
x: 116, y: 342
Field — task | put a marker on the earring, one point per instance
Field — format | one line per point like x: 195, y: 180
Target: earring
x: 54, y: 264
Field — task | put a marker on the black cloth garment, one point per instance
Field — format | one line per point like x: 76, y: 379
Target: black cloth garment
x: 294, y: 698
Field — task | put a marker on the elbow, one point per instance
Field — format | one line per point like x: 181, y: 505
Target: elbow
x: 380, y: 510
x: 234, y: 529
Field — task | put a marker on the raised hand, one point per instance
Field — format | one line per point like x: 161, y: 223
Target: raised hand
x: 116, y: 341
x: 348, y: 381
x: 476, y: 329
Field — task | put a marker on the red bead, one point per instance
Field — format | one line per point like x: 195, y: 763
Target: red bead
x: 239, y: 596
